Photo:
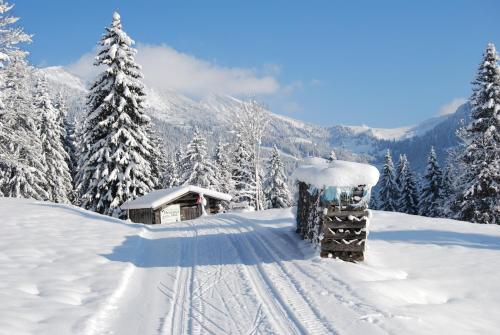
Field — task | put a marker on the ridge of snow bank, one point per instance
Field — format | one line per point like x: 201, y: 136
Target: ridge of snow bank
x: 320, y: 173
x: 55, y: 276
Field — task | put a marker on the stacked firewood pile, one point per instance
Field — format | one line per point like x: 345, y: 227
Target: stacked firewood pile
x: 335, y: 219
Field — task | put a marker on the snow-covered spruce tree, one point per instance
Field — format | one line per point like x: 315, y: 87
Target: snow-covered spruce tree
x: 115, y: 164
x: 68, y: 136
x: 243, y: 173
x: 22, y: 164
x: 276, y: 189
x: 388, y: 194
x: 408, y: 201
x: 20, y: 172
x: 224, y: 168
x: 10, y: 38
x: 171, y: 176
x: 57, y: 173
x: 447, y: 192
x: 10, y: 35
x: 479, y: 199
x: 198, y: 169
x: 251, y: 124
x: 158, y: 161
x: 403, y: 161
x: 374, y: 203
x: 431, y: 196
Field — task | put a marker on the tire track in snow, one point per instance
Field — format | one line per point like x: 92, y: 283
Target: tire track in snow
x: 282, y: 318
x: 213, y: 277
x: 186, y: 314
x: 354, y: 302
x: 216, y: 281
x: 178, y: 316
x: 306, y: 314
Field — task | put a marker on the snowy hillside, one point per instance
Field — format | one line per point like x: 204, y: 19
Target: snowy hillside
x: 65, y: 270
x: 398, y: 134
x: 175, y: 115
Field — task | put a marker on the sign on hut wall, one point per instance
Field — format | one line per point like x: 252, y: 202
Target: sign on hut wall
x: 332, y: 206
x: 171, y: 214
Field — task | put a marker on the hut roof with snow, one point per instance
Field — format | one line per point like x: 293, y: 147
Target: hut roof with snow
x: 174, y: 204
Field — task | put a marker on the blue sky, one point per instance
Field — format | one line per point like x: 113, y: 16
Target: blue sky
x: 379, y: 63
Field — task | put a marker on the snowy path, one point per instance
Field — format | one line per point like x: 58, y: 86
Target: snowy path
x: 229, y: 275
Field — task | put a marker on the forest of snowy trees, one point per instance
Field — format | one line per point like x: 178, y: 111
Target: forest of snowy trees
x: 468, y: 188
x: 113, y: 154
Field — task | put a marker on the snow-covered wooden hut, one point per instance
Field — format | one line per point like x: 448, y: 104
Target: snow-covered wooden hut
x: 174, y: 204
x: 332, y: 208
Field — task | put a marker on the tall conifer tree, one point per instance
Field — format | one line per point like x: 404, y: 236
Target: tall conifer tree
x: 389, y: 192
x: 115, y: 164
x: 408, y: 197
x: 224, y: 168
x: 243, y: 173
x: 59, y: 182
x: 276, y: 188
x: 171, y: 176
x: 198, y: 168
x: 68, y: 136
x: 478, y: 200
x: 22, y: 163
x: 431, y: 195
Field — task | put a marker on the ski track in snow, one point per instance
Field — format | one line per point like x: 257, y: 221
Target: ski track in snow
x: 341, y: 290
x: 179, y: 313
x: 294, y: 319
x: 243, y: 285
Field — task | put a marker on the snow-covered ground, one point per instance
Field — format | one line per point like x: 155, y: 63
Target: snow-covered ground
x: 64, y: 270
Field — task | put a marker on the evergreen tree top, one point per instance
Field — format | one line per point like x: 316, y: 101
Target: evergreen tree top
x: 10, y: 37
x: 122, y: 73
x: 115, y: 37
x: 42, y: 93
x: 485, y: 99
x: 388, y: 158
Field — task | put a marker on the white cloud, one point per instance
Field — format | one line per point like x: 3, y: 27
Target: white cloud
x: 84, y: 67
x: 167, y: 68
x: 451, y: 107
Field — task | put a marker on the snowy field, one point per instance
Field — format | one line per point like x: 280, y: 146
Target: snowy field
x: 64, y: 270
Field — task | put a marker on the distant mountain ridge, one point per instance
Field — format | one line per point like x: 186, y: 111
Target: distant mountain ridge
x: 175, y: 115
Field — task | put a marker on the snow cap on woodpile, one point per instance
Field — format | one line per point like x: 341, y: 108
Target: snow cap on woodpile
x: 321, y: 173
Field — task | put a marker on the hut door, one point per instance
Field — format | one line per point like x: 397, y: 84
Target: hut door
x: 190, y: 212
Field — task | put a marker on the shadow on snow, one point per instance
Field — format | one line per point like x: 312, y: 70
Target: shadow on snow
x: 439, y: 237
x: 222, y: 248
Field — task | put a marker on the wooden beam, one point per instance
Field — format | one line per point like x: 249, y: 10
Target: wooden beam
x: 344, y: 224
x: 332, y: 246
x: 328, y: 236
x: 345, y: 214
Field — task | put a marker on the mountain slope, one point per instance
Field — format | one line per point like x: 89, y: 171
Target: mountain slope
x: 442, y: 136
x: 175, y: 116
